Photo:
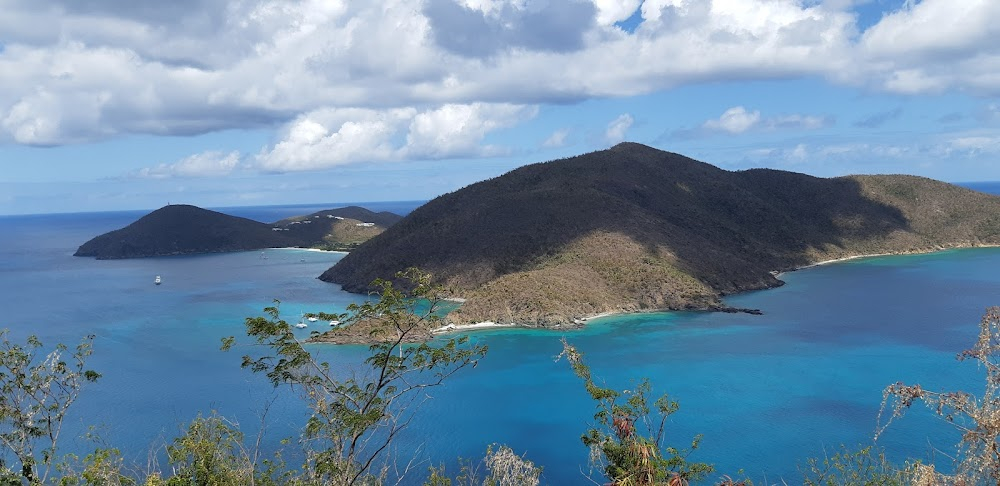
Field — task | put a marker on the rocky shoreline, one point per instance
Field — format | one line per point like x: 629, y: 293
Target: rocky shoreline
x: 362, y: 334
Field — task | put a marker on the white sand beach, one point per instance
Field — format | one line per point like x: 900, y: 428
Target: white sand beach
x: 778, y: 274
x: 471, y: 327
x: 309, y: 249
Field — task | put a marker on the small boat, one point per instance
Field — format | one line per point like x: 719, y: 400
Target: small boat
x: 334, y: 323
x: 302, y: 325
x: 312, y: 318
x: 157, y: 280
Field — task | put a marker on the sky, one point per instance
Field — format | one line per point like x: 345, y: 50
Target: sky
x: 134, y: 104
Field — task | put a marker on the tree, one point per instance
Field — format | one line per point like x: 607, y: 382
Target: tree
x: 103, y: 467
x: 355, y: 419
x: 627, y: 454
x: 864, y: 466
x: 210, y: 453
x: 503, y: 468
x: 35, y: 394
x: 977, y: 417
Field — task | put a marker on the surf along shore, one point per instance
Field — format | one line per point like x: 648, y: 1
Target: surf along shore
x: 580, y: 322
x: 363, y: 336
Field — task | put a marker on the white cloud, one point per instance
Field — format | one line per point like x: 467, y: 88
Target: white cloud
x: 933, y: 28
x: 871, y: 151
x: 38, y: 118
x: 557, y: 139
x: 976, y: 144
x: 934, y: 45
x: 331, y: 137
x: 734, y: 120
x: 206, y: 164
x: 492, y: 8
x: 82, y: 71
x: 950, y: 156
x: 611, y: 11
x: 801, y: 122
x: 457, y: 130
x: 799, y: 153
x: 738, y: 120
x: 618, y: 128
x: 196, y: 66
x: 761, y: 152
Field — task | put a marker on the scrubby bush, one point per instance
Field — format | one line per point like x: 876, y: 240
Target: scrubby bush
x: 626, y: 442
x: 354, y: 420
x: 978, y: 417
x: 35, y: 393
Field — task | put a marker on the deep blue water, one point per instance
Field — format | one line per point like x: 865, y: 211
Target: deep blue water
x: 766, y: 391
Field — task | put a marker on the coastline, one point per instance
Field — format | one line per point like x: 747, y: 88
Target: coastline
x: 581, y: 321
x: 308, y: 249
x: 449, y: 328
x: 778, y: 273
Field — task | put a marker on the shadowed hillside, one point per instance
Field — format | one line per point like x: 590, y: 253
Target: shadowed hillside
x: 182, y: 229
x: 633, y: 228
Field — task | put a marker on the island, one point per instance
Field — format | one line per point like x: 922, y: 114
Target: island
x: 180, y: 229
x: 634, y: 228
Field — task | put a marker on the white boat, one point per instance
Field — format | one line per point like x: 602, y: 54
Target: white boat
x: 157, y: 280
x: 302, y: 325
x: 312, y: 318
x: 334, y: 323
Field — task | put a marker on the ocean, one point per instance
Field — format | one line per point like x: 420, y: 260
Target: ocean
x: 766, y: 392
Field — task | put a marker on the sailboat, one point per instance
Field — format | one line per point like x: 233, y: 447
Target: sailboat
x: 157, y: 280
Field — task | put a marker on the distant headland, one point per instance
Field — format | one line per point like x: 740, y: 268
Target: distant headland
x: 633, y: 229
x: 180, y: 229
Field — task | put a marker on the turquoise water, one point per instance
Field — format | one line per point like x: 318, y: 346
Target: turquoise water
x: 766, y: 391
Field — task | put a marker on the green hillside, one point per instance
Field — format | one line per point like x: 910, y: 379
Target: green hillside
x: 180, y: 229
x: 634, y: 228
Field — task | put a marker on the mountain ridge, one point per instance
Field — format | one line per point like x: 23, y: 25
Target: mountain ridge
x: 633, y: 228
x: 181, y: 229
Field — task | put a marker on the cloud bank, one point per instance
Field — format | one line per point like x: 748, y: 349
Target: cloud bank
x: 424, y: 79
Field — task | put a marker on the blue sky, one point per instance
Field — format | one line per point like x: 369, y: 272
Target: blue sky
x: 118, y: 104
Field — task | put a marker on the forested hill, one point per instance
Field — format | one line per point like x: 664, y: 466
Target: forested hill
x: 180, y: 229
x: 384, y: 219
x: 633, y: 228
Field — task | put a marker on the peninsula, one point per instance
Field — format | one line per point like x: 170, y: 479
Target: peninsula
x: 633, y: 228
x: 180, y: 229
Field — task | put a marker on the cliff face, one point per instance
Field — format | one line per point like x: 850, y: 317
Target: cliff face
x: 633, y: 228
x: 182, y: 229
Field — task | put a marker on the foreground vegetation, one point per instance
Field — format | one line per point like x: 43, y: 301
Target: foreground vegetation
x: 355, y: 420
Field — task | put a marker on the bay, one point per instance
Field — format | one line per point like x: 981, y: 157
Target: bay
x: 766, y: 391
